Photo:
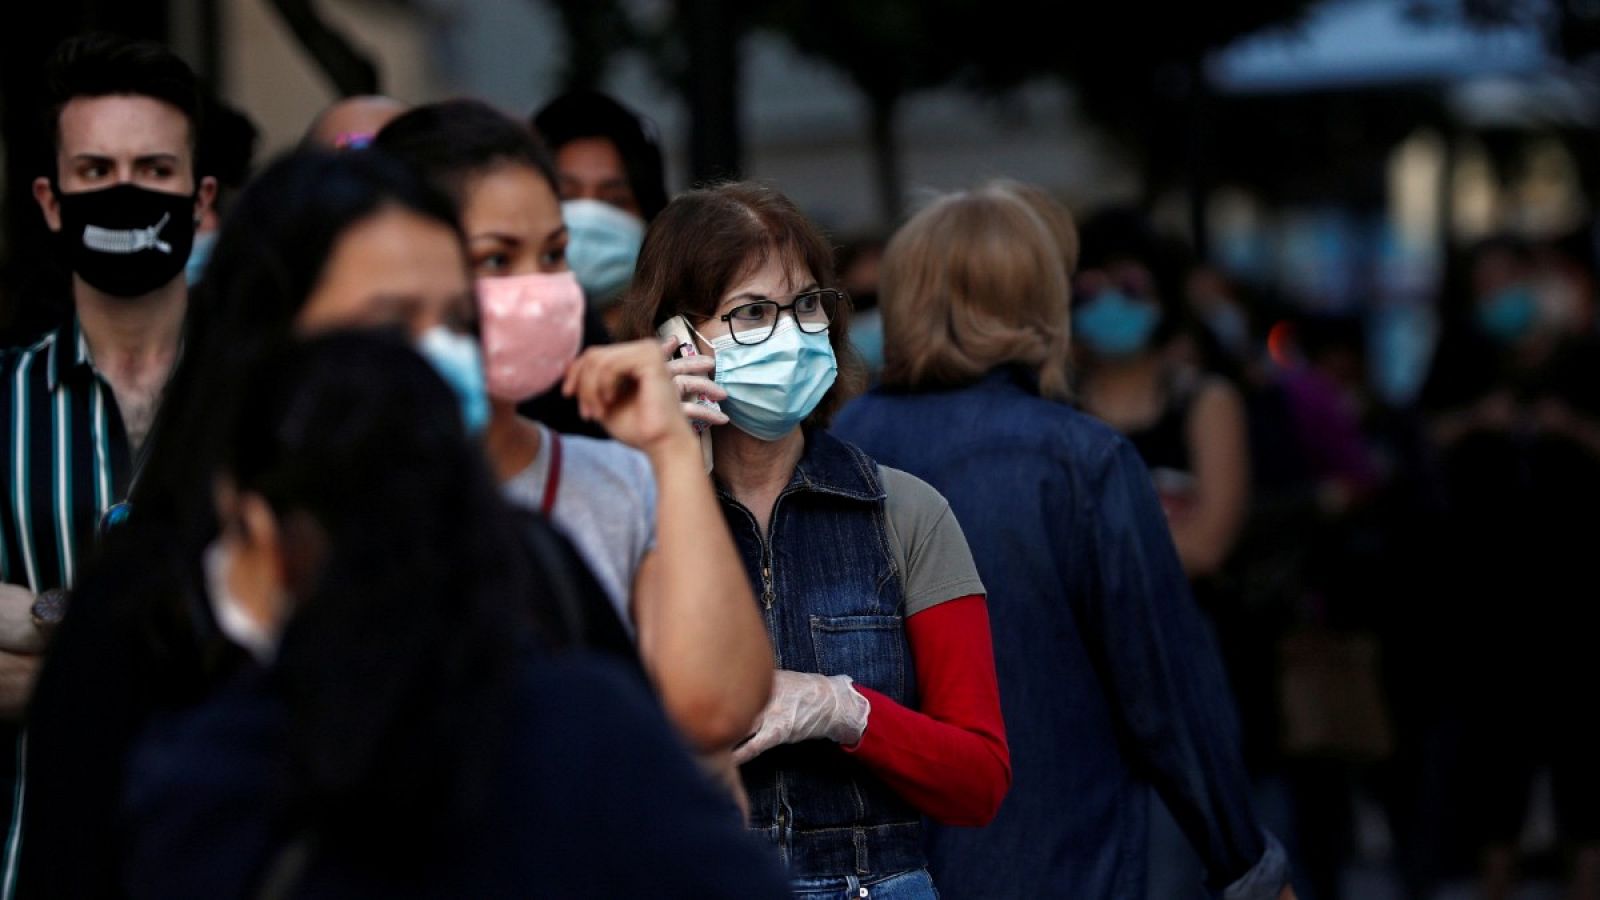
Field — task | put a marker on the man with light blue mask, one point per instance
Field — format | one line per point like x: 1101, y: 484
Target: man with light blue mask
x: 602, y: 247
x: 612, y: 181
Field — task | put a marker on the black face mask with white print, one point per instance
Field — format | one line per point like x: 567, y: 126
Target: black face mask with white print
x: 127, y: 240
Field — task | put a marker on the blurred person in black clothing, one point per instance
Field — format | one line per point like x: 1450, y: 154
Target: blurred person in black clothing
x: 398, y: 730
x: 1512, y: 406
x: 317, y: 242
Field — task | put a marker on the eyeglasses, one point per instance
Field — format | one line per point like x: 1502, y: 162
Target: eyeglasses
x: 753, y: 323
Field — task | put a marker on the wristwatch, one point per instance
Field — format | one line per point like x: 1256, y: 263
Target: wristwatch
x: 49, y: 608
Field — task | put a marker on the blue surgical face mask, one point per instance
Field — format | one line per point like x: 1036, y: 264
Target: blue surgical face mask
x: 866, y: 336
x: 199, y: 256
x: 602, y: 248
x: 458, y: 361
x: 1115, y: 325
x: 1508, y: 315
x: 772, y: 386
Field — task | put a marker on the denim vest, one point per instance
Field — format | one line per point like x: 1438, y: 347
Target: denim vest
x: 826, y: 582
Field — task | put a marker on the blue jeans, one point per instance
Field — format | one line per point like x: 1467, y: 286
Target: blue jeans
x: 914, y: 885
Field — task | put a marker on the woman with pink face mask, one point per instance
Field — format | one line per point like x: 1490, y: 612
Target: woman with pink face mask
x: 639, y: 508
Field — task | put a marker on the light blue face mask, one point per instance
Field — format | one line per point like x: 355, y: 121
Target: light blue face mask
x: 772, y: 386
x: 602, y: 248
x: 458, y: 361
x: 866, y: 335
x: 199, y: 256
x: 1509, y: 314
x: 1115, y: 325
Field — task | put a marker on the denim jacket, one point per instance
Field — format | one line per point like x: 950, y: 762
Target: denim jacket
x: 1108, y: 678
x: 826, y: 581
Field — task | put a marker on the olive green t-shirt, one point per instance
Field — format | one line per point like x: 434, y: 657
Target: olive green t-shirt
x: 929, y: 549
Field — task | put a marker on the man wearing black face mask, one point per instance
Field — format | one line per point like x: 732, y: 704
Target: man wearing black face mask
x: 123, y: 197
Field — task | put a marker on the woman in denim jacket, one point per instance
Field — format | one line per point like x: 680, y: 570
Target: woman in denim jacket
x: 1108, y: 676
x: 884, y: 708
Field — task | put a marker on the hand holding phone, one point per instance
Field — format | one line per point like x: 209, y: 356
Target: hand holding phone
x: 692, y: 374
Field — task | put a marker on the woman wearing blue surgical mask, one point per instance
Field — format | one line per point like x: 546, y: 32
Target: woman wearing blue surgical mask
x: 1188, y: 425
x: 884, y: 709
x: 1512, y: 414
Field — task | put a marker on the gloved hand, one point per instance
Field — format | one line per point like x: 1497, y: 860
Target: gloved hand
x: 805, y: 706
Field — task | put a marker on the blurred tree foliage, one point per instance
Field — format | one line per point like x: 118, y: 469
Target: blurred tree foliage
x: 1133, y: 66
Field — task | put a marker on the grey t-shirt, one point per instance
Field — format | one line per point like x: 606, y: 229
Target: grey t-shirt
x: 605, y: 504
x: 935, y: 563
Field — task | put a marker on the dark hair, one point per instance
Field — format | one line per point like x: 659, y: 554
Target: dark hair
x: 226, y: 146
x: 269, y: 255
x: 98, y: 64
x: 591, y: 114
x: 395, y: 663
x: 449, y: 142
x: 706, y: 240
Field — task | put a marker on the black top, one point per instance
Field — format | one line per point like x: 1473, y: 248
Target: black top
x: 138, y: 639
x: 1164, y: 443
x: 593, y: 796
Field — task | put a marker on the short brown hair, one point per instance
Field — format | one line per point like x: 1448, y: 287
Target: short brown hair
x: 974, y: 281
x: 706, y: 240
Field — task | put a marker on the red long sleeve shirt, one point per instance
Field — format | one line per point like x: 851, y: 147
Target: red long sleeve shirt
x: 949, y: 758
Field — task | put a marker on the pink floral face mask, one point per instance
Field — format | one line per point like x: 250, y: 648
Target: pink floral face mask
x: 532, y: 327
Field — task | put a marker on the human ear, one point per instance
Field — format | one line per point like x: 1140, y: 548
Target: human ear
x: 49, y: 204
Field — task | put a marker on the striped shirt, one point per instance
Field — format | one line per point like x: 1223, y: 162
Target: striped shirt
x: 66, y: 460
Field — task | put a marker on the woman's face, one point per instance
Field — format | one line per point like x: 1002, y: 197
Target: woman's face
x: 776, y: 279
x: 513, y: 224
x: 391, y: 268
x: 1115, y: 314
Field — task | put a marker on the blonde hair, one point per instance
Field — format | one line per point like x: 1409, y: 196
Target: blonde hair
x: 974, y: 281
x: 1055, y: 215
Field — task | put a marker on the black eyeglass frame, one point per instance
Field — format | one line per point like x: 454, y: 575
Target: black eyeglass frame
x: 839, y: 299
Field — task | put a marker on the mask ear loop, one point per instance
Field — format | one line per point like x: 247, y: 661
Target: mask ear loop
x: 696, y: 333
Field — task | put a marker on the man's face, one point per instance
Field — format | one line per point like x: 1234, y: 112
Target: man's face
x: 591, y: 169
x: 123, y: 139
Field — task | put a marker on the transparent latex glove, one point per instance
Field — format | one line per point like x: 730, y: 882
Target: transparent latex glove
x: 805, y: 706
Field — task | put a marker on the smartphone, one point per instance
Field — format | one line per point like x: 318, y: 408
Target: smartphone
x: 677, y: 328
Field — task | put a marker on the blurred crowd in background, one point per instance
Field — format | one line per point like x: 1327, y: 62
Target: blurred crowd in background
x: 1383, y: 506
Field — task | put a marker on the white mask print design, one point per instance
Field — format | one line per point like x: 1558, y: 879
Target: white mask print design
x: 132, y: 240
